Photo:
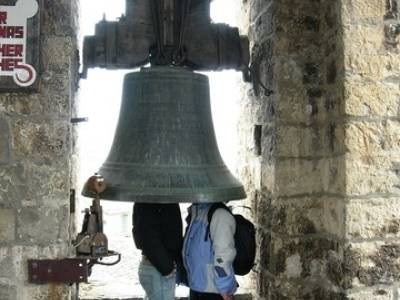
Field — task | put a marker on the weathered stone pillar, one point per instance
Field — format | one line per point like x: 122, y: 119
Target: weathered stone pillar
x: 320, y: 154
x: 372, y: 97
x: 35, y: 163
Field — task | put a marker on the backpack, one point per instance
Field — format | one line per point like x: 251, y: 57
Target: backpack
x: 245, y: 240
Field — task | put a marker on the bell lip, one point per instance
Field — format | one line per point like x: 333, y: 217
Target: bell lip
x: 218, y: 195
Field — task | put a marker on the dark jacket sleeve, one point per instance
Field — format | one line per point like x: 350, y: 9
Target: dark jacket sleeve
x: 148, y: 236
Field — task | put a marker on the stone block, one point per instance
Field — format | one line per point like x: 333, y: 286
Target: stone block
x: 7, y: 267
x: 297, y: 18
x: 306, y: 29
x: 308, y: 46
x: 256, y: 166
x: 58, y: 18
x: 13, y: 185
x: 371, y: 263
x: 303, y: 290
x: 268, y: 178
x: 45, y: 292
x: 52, y: 181
x: 311, y: 141
x: 8, y: 292
x: 54, y: 99
x: 56, y: 54
x: 19, y: 184
x: 261, y: 27
x: 309, y: 30
x: 268, y: 142
x: 371, y: 67
x: 308, y: 215
x: 294, y: 177
x: 45, y: 140
x: 258, y: 7
x: 371, y: 98
x: 374, y: 175
x: 57, y: 95
x: 21, y: 104
x: 4, y: 142
x: 297, y: 101
x: 302, y: 258
x: 373, y: 138
x: 290, y: 92
x: 363, y: 39
x: 376, y: 294
x: 358, y: 11
x: 75, y: 15
x: 373, y: 218
x: 262, y: 210
x: 263, y: 253
x: 7, y: 225
x: 14, y: 262
x: 42, y: 225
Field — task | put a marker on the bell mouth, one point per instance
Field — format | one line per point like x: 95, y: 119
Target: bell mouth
x: 164, y: 148
x: 151, y: 195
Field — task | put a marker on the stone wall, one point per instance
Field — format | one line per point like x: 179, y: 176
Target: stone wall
x: 319, y: 153
x: 372, y: 95
x: 35, y: 160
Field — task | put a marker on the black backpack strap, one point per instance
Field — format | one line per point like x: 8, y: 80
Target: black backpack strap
x: 188, y: 219
x: 210, y: 214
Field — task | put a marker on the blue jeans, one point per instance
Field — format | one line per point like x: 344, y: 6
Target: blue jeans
x: 156, y: 286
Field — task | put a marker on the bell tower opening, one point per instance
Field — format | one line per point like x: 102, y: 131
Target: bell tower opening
x: 100, y: 100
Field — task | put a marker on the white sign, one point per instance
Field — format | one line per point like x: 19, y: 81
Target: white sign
x: 13, y: 47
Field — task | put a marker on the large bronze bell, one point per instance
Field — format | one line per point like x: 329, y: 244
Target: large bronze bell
x: 164, y: 148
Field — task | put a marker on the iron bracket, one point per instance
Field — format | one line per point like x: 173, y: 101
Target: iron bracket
x: 67, y: 270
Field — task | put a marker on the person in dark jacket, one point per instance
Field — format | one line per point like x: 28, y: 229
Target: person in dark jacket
x: 157, y: 231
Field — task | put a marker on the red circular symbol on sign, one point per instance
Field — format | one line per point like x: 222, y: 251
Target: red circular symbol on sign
x: 29, y: 78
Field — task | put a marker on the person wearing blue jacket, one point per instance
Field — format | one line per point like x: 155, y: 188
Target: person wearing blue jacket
x: 208, y: 256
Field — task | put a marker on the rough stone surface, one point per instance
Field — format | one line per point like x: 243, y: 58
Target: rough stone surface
x: 376, y: 294
x: 42, y: 226
x: 310, y: 141
x: 371, y: 263
x: 308, y: 215
x: 59, y: 18
x: 372, y: 175
x: 8, y: 291
x: 7, y: 225
x: 7, y: 268
x: 48, y: 139
x: 48, y: 292
x: 36, y: 167
x: 373, y: 218
x: 373, y: 138
x: 13, y: 185
x: 368, y: 98
x: 4, y: 142
x: 363, y: 40
x: 324, y: 177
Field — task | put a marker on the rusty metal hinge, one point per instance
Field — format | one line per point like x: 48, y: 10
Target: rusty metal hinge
x: 67, y: 270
